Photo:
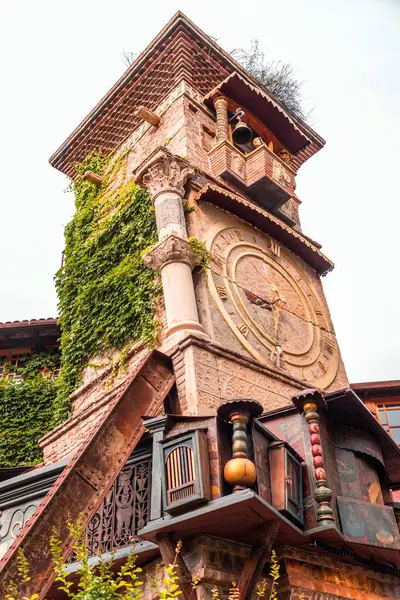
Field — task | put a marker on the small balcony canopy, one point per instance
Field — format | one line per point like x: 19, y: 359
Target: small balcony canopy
x: 264, y: 108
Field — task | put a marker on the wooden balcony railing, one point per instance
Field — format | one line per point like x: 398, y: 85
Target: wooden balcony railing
x: 124, y: 510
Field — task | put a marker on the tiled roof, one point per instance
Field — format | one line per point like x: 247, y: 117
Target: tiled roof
x: 376, y: 386
x: 28, y: 323
x: 181, y: 51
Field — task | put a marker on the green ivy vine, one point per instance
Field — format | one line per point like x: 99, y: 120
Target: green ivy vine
x: 106, y: 294
x: 203, y: 255
x: 26, y: 407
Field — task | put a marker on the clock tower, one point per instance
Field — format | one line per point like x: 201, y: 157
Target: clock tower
x: 237, y: 431
x: 254, y: 321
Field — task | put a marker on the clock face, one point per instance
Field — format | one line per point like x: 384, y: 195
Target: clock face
x: 270, y: 305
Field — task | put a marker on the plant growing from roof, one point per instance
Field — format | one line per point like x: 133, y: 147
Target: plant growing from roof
x: 274, y: 76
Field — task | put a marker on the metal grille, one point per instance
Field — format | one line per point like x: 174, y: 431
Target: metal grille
x: 180, y: 474
x: 124, y: 510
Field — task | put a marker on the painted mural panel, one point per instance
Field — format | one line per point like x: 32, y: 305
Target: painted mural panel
x: 358, y: 477
x: 367, y: 523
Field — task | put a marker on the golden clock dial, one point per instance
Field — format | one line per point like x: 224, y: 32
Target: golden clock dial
x: 270, y: 305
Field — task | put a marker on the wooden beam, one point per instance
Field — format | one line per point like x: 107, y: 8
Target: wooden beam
x: 83, y: 484
x: 260, y: 553
x: 148, y: 115
x: 93, y: 178
x: 168, y: 554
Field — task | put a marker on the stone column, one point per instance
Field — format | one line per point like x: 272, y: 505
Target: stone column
x: 221, y: 108
x: 309, y: 402
x: 165, y: 176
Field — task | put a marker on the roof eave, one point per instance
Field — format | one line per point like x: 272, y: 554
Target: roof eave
x: 179, y: 17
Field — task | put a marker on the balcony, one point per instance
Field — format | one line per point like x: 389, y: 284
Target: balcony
x: 261, y: 173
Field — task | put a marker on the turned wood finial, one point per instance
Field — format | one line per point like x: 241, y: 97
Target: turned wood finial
x: 309, y: 402
x: 239, y: 472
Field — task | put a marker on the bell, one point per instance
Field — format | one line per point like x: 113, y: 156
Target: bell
x: 242, y: 134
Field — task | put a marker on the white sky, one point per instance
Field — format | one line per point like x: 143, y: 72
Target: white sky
x: 59, y: 58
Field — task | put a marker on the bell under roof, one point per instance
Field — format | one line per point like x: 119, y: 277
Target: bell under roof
x: 180, y: 52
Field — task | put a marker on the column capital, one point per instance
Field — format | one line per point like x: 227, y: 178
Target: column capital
x: 221, y: 100
x: 172, y: 249
x: 164, y: 172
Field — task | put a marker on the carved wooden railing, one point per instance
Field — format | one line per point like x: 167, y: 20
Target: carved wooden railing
x: 124, y: 510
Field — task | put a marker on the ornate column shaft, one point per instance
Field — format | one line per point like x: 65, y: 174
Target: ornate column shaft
x: 308, y: 402
x: 165, y: 176
x: 221, y: 108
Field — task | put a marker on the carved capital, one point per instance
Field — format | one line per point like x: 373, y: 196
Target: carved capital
x: 164, y: 172
x: 172, y: 249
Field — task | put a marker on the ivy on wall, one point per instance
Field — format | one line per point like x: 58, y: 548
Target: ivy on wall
x: 106, y: 294
x: 106, y: 301
x: 26, y: 408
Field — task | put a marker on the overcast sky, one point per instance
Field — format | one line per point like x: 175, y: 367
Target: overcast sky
x: 59, y: 58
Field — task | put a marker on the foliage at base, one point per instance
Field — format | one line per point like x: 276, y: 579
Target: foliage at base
x: 102, y: 580
x: 106, y: 294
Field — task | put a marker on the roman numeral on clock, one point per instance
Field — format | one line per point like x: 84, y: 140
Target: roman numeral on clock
x: 239, y: 235
x: 275, y: 248
x: 218, y: 258
x: 329, y: 345
x: 222, y: 292
x: 243, y: 329
x: 322, y: 367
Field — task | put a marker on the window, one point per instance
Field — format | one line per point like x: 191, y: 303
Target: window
x: 294, y: 486
x: 12, y: 364
x: 186, y: 478
x: 286, y: 481
x: 389, y: 418
x: 17, y: 362
x: 180, y: 473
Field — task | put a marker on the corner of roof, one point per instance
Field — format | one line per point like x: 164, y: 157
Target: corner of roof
x: 140, y: 62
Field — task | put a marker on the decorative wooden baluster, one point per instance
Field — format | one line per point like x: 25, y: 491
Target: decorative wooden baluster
x: 239, y: 472
x: 308, y: 402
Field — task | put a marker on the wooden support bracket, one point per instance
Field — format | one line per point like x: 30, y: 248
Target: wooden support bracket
x: 148, y: 115
x: 93, y: 178
x: 260, y: 553
x: 168, y: 554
